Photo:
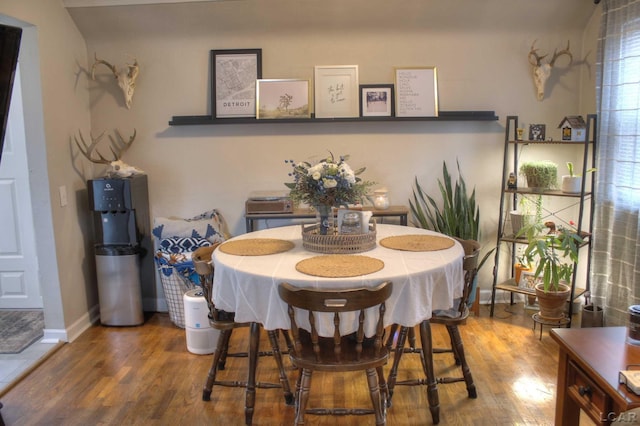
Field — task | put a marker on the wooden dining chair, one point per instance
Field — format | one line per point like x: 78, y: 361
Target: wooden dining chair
x: 225, y: 323
x: 451, y: 319
x: 340, y: 353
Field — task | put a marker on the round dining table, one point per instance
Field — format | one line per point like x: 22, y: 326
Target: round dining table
x: 423, y: 281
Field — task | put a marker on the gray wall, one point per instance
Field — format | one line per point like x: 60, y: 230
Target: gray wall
x: 479, y: 48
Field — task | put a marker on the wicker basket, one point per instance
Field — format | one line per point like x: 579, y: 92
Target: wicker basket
x: 338, y: 243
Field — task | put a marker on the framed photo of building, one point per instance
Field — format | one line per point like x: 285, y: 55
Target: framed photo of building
x: 233, y: 87
x: 336, y: 91
x: 416, y: 92
x: 376, y: 100
x: 282, y: 98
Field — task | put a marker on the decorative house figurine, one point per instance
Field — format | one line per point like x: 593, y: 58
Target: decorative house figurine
x: 573, y: 128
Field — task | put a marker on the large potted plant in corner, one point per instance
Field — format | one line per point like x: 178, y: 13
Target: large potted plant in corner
x: 458, y: 215
x: 555, y: 255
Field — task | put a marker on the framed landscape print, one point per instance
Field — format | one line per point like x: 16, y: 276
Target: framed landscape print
x: 278, y: 99
x: 416, y: 92
x: 336, y: 91
x: 233, y: 86
x: 376, y: 100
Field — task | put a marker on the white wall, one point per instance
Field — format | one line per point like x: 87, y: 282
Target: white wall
x: 57, y: 103
x: 482, y: 65
x: 479, y: 48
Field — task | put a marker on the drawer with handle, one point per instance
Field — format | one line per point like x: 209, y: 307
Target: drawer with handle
x: 586, y: 393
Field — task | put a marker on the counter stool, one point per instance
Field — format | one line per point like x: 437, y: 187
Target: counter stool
x: 451, y: 319
x: 224, y: 322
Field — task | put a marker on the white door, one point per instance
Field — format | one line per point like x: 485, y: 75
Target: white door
x: 19, y: 284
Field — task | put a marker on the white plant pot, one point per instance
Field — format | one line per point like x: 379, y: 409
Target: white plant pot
x: 519, y: 220
x: 571, y: 184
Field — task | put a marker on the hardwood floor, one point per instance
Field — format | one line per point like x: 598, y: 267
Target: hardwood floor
x: 144, y: 375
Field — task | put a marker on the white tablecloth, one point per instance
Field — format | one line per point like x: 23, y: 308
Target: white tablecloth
x: 422, y: 281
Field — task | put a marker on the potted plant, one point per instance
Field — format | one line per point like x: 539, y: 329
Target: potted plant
x: 540, y: 175
x: 572, y: 183
x: 529, y: 211
x: 555, y: 255
x: 458, y: 216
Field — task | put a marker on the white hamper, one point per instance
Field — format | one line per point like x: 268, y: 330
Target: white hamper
x: 201, y: 338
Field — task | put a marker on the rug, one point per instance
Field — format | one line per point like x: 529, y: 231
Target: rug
x: 19, y: 329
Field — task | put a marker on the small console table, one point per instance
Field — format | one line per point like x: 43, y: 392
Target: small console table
x: 393, y: 211
x: 588, y: 366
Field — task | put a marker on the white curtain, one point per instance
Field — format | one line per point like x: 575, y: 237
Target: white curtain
x: 615, y: 279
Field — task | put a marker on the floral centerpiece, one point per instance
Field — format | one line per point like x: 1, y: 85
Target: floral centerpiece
x: 325, y: 185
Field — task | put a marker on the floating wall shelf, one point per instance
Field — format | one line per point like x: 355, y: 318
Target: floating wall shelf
x: 191, y: 120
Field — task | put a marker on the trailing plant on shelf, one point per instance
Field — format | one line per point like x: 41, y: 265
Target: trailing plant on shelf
x: 540, y: 174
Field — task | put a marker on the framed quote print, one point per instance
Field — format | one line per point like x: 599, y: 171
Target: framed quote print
x: 336, y: 91
x: 233, y: 86
x: 416, y: 92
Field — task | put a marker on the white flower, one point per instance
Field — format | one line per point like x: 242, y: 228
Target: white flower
x: 330, y: 183
x: 316, y: 175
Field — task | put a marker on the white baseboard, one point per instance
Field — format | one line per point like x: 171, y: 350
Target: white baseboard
x: 52, y: 335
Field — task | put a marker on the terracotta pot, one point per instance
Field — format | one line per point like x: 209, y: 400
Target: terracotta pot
x: 552, y: 303
x: 518, y: 268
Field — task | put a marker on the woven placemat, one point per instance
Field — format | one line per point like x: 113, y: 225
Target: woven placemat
x: 339, y: 265
x: 417, y: 242
x: 256, y: 246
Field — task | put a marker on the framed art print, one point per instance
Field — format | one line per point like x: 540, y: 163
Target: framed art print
x: 233, y: 86
x: 416, y: 92
x: 278, y: 99
x: 537, y: 132
x: 336, y: 91
x: 376, y: 100
x: 528, y: 281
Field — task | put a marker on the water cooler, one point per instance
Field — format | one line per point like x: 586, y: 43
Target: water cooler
x: 201, y: 338
x: 121, y: 215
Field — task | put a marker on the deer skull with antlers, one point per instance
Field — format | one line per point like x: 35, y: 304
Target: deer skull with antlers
x: 118, y: 146
x: 126, y: 77
x: 542, y: 71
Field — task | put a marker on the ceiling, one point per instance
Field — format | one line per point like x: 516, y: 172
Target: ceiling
x: 98, y: 19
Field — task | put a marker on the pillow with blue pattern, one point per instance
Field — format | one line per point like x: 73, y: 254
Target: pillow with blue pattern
x: 209, y: 225
x: 182, y: 244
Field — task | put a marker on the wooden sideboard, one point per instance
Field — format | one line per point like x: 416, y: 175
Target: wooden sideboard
x: 589, y: 362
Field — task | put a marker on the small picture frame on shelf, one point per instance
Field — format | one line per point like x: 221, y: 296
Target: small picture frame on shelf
x: 282, y: 99
x: 537, y: 132
x: 377, y: 100
x: 336, y: 91
x: 528, y: 282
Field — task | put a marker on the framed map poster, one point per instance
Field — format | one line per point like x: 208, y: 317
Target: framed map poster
x: 233, y: 87
x: 416, y: 92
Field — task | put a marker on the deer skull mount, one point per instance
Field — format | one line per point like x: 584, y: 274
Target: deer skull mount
x: 126, y: 77
x: 542, y: 71
x: 118, y: 168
